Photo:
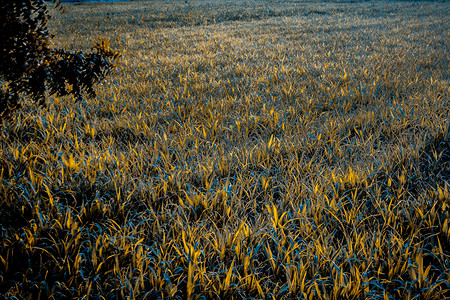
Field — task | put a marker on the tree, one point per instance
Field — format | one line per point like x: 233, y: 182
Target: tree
x: 29, y: 67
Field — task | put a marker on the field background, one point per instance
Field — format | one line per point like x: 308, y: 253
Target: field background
x: 242, y: 149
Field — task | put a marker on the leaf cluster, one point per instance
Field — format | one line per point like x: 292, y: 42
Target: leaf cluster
x: 30, y: 67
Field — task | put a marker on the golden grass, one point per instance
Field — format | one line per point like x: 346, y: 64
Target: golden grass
x: 243, y: 149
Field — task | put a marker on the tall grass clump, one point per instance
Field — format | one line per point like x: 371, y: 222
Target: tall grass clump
x: 244, y: 149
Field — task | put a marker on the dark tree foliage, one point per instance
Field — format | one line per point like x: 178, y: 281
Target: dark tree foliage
x: 29, y: 67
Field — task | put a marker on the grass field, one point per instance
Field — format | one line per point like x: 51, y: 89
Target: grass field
x: 242, y: 150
